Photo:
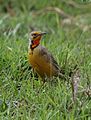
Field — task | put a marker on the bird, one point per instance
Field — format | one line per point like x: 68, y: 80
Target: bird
x: 41, y: 60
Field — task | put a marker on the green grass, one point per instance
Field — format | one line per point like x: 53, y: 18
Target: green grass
x: 19, y: 99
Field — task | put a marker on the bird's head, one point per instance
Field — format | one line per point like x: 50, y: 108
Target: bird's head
x: 35, y: 38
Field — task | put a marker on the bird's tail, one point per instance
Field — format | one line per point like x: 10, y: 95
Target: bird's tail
x: 67, y: 74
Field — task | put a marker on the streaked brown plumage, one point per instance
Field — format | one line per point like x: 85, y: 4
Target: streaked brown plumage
x: 40, y: 59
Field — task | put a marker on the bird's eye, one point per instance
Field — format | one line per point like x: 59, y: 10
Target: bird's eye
x: 33, y: 34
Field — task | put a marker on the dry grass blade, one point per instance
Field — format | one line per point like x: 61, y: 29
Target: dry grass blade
x: 76, y: 5
x: 59, y: 11
x: 53, y: 9
x: 75, y: 83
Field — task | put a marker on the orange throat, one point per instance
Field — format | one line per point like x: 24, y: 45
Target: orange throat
x: 34, y: 44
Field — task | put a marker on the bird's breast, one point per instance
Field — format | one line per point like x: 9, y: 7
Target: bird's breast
x: 39, y: 63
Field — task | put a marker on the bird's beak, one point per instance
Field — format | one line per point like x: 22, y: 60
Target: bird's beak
x: 43, y: 33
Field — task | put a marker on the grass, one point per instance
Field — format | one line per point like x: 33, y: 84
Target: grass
x: 19, y: 99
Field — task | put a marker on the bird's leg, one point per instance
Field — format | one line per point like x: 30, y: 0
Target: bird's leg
x: 34, y: 76
x: 42, y: 86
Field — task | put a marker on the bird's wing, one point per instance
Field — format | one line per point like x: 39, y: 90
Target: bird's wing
x: 48, y: 57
